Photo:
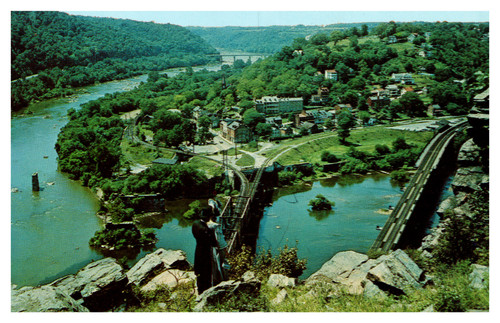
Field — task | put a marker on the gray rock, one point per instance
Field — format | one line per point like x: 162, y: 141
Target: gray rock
x: 469, y: 154
x: 224, y: 291
x: 429, y: 308
x: 170, y: 278
x: 43, y: 299
x: 448, y: 203
x: 340, y: 266
x: 469, y: 179
x: 396, y: 273
x: 277, y: 280
x: 478, y: 277
x: 155, y: 263
x: 100, y: 284
x: 280, y: 297
x: 248, y: 276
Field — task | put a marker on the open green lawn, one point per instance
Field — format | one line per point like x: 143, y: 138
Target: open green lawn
x: 363, y: 139
x: 138, y: 154
x: 245, y: 160
x: 211, y: 168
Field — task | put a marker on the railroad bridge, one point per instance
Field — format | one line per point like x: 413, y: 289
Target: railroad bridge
x: 405, y: 215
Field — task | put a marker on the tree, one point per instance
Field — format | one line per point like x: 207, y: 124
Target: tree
x: 412, y: 104
x: 345, y: 122
x: 252, y: 118
x: 321, y: 203
x: 364, y: 116
x: 264, y: 129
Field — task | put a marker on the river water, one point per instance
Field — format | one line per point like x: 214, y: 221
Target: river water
x: 351, y: 225
x: 50, y: 229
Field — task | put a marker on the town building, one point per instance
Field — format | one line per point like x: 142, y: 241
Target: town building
x: 331, y: 75
x: 312, y: 116
x: 322, y: 97
x: 392, y: 90
x: 275, y: 105
x: 405, y: 78
x: 235, y: 131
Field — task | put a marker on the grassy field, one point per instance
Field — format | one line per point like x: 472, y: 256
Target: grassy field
x: 364, y: 139
x: 245, y: 160
x: 138, y: 154
x: 211, y: 168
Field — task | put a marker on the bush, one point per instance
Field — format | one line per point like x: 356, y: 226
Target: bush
x: 321, y: 203
x: 449, y: 301
x: 286, y: 262
x: 328, y: 157
x: 286, y: 177
x: 400, y: 175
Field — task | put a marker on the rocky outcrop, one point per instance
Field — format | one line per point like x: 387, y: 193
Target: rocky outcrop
x: 155, y: 263
x: 43, y: 299
x: 394, y: 274
x: 469, y: 154
x: 469, y: 179
x: 479, y: 276
x: 170, y: 278
x: 225, y: 291
x: 100, y: 285
x: 277, y: 280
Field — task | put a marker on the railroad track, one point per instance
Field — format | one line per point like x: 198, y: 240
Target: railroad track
x: 395, y: 226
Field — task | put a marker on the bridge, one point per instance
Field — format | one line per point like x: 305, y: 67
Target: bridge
x: 241, y: 56
x: 396, y: 224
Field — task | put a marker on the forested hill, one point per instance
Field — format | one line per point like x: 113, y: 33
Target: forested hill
x: 68, y: 51
x: 269, y: 39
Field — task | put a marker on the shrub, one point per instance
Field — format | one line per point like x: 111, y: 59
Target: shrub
x: 321, y: 203
x: 286, y: 177
x: 449, y: 301
x: 286, y: 262
x: 328, y: 157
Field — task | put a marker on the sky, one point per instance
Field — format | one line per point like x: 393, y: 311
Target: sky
x: 267, y: 18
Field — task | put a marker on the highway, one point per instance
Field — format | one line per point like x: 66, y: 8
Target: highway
x: 395, y: 226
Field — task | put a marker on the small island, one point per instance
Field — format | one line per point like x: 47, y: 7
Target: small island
x: 321, y: 203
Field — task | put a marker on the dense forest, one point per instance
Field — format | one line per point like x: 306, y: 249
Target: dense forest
x: 451, y: 63
x: 66, y: 51
x: 268, y: 39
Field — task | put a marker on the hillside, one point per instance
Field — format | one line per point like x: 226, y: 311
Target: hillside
x: 268, y: 39
x: 69, y: 51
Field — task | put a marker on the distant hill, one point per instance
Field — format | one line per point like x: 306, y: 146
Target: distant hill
x: 264, y: 39
x: 42, y: 40
x: 69, y: 51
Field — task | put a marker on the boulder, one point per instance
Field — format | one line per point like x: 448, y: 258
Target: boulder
x: 478, y: 277
x: 469, y: 179
x: 340, y: 266
x: 469, y: 154
x: 170, y: 278
x: 358, y: 275
x: 43, y: 299
x: 446, y: 204
x: 280, y: 297
x: 100, y: 284
x: 155, y: 263
x: 225, y: 291
x: 277, y: 280
x: 396, y: 273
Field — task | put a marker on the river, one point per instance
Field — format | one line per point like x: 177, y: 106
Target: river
x: 351, y: 225
x: 50, y: 229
